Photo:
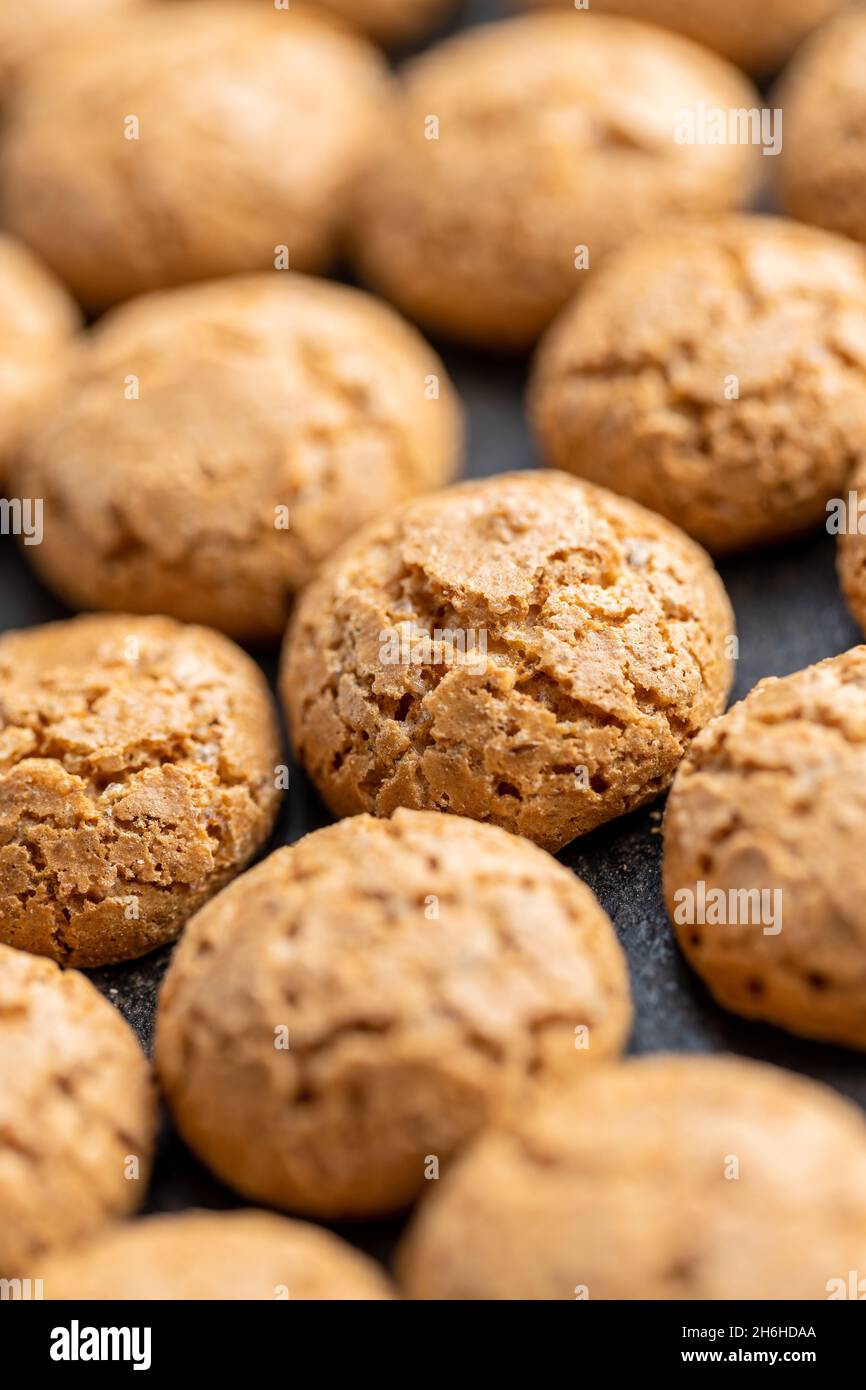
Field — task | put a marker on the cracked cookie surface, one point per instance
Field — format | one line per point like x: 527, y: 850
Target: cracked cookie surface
x: 273, y: 417
x: 757, y: 35
x: 76, y: 1104
x: 226, y: 1255
x: 772, y: 799
x: 582, y: 644
x: 365, y: 1000
x: 137, y: 775
x: 632, y: 388
x: 253, y: 126
x: 662, y: 1178
x: 555, y: 132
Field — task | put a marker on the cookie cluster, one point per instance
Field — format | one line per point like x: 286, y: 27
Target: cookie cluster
x: 417, y: 1006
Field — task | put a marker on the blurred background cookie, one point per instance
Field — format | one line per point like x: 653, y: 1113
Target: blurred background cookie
x: 30, y: 29
x: 529, y: 650
x: 37, y: 320
x: 77, y: 1112
x: 391, y: 21
x: 341, y: 1021
x: 138, y: 766
x: 214, y: 1255
x: 758, y: 35
x: 196, y: 140
x: 663, y: 1178
x: 524, y: 151
x: 765, y: 853
x: 716, y: 373
x: 215, y: 443
x: 822, y: 167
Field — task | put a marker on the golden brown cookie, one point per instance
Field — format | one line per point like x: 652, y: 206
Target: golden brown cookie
x: 848, y: 522
x: 137, y: 775
x: 228, y: 1255
x: 515, y: 158
x: 37, y: 320
x: 198, y: 140
x: 391, y: 21
x: 342, y: 1020
x: 757, y: 35
x: 215, y: 443
x: 30, y: 27
x: 716, y: 373
x: 822, y: 167
x: 529, y: 650
x: 663, y: 1178
x: 77, y: 1112
x: 765, y: 853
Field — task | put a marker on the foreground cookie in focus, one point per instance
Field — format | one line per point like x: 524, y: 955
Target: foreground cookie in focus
x: 758, y: 35
x: 664, y: 1178
x: 37, y: 321
x: 229, y: 1255
x: 198, y: 140
x: 269, y: 418
x: 765, y: 853
x: 77, y: 1112
x: 347, y: 1015
x: 137, y: 775
x: 715, y: 373
x: 514, y: 164
x: 530, y: 650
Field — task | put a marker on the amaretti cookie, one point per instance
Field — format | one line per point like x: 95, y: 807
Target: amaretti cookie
x: 339, y: 1022
x: 77, y: 1112
x: 137, y: 775
x: 664, y: 1178
x: 716, y: 373
x: 37, y: 320
x: 198, y: 140
x: 758, y: 35
x: 529, y: 650
x: 847, y: 520
x: 216, y: 442
x: 823, y: 163
x: 391, y: 21
x: 227, y: 1255
x: 765, y: 853
x: 514, y: 163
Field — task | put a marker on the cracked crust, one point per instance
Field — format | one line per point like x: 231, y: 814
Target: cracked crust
x: 137, y: 764
x: 630, y: 387
x: 391, y: 21
x: 758, y: 35
x: 256, y: 393
x: 254, y: 125
x: 427, y: 970
x: 669, y: 1177
x: 475, y: 232
x: 605, y: 631
x: 76, y: 1103
x: 773, y: 796
x: 823, y: 92
x: 234, y: 1255
x: 37, y: 321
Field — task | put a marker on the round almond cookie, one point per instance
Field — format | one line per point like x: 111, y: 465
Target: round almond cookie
x: 216, y: 442
x: 198, y: 140
x: 341, y: 1021
x: 515, y: 162
x: 77, y: 1112
x: 823, y: 94
x: 765, y: 853
x: 37, y: 320
x: 716, y: 373
x: 391, y: 21
x: 668, y: 1177
x: 137, y: 775
x: 226, y: 1255
x: 758, y: 35
x: 529, y: 650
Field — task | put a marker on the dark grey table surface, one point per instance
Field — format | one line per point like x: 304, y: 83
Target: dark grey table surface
x: 789, y: 614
